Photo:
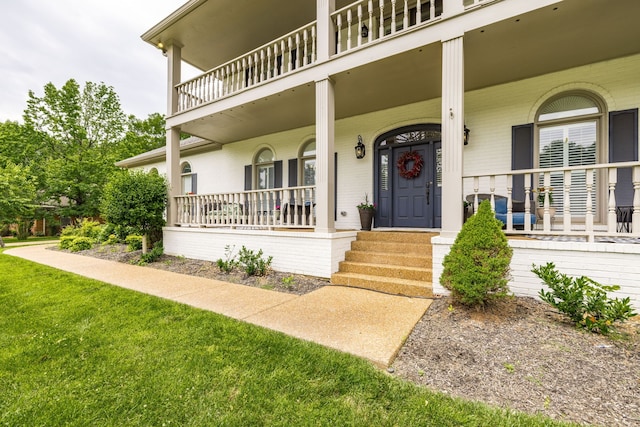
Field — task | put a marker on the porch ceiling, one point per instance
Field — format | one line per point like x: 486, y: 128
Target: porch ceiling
x: 565, y: 35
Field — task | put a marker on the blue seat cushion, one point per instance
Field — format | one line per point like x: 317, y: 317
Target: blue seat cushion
x: 518, y: 217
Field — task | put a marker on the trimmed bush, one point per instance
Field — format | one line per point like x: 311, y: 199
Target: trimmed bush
x: 134, y: 242
x: 583, y: 300
x: 66, y: 241
x: 476, y: 270
x: 153, y: 255
x: 81, y: 243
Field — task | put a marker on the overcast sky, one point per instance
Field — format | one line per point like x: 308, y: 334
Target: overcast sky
x: 45, y: 41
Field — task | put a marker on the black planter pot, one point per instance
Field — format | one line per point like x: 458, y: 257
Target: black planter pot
x: 366, y: 218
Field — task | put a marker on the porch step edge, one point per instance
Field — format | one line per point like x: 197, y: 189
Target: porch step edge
x: 400, y: 259
x: 395, y: 286
x: 392, y: 247
x: 387, y: 271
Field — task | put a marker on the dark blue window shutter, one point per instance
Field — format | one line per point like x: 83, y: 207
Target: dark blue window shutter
x: 247, y: 177
x: 521, y: 156
x: 277, y: 171
x: 293, y: 172
x: 623, y: 147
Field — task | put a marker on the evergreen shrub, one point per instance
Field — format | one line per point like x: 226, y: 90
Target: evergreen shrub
x: 476, y: 270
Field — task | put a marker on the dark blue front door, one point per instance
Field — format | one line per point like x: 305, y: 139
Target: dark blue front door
x: 417, y: 201
x: 412, y: 202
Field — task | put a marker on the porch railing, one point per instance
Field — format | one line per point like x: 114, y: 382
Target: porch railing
x: 292, y: 207
x: 367, y: 20
x: 281, y: 56
x: 596, y: 184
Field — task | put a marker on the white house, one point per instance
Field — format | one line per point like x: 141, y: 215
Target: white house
x: 448, y: 100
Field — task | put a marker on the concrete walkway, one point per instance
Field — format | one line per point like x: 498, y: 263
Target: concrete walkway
x: 364, y: 323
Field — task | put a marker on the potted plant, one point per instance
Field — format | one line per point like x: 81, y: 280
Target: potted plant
x: 540, y: 202
x: 367, y: 211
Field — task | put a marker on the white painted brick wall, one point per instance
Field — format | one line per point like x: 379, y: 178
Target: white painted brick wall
x: 314, y: 254
x: 606, y: 263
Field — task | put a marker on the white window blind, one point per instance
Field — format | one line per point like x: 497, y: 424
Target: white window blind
x: 569, y: 145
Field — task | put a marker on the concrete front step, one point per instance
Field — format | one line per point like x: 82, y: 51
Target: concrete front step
x: 406, y: 260
x: 391, y: 247
x: 409, y: 288
x: 396, y: 236
x: 387, y: 271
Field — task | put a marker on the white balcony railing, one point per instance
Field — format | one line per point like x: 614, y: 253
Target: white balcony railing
x: 581, y: 195
x: 292, y: 207
x: 367, y: 20
x: 284, y: 55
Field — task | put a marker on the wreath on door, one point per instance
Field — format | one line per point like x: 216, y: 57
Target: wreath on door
x: 405, y: 159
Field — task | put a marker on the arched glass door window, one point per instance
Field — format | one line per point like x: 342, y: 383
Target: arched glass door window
x: 263, y: 164
x: 307, y: 162
x: 569, y: 135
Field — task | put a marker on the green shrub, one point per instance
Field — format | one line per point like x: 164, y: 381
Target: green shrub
x: 88, y: 228
x: 476, y: 270
x: 153, y: 255
x: 81, y: 243
x: 583, y: 300
x: 252, y: 263
x: 134, y: 242
x: 106, y: 231
x: 66, y: 241
x: 229, y: 263
x: 111, y: 240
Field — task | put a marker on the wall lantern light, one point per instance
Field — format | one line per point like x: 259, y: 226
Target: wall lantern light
x: 466, y: 135
x: 360, y: 148
x: 364, y: 31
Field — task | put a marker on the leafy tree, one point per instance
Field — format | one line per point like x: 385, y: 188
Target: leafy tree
x: 18, y: 190
x: 137, y: 200
x: 142, y: 136
x: 77, y: 131
x: 476, y: 269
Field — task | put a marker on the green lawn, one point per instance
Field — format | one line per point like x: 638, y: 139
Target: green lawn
x: 80, y: 352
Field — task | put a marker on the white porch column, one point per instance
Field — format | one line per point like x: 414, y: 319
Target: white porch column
x: 174, y: 69
x: 326, y: 31
x: 452, y: 134
x: 173, y: 134
x: 325, y: 135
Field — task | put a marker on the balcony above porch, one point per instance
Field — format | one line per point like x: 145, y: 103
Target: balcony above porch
x: 260, y: 59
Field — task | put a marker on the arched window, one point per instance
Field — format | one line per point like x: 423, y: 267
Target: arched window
x: 307, y: 163
x: 188, y: 179
x: 569, y: 128
x: 264, y: 169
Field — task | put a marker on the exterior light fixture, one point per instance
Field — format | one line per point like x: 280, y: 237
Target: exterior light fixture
x: 466, y: 135
x: 364, y: 31
x: 360, y: 148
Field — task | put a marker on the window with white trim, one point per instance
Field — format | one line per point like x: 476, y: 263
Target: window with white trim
x: 568, y: 135
x: 307, y: 162
x: 264, y: 170
x: 187, y: 178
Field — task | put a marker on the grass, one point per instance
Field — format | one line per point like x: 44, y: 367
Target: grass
x: 79, y: 352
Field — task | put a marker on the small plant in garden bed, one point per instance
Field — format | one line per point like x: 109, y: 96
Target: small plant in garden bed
x: 583, y: 300
x: 252, y: 263
x: 229, y: 262
x: 153, y: 255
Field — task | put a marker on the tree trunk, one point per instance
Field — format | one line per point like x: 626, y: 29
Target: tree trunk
x: 1, y: 242
x: 144, y: 243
